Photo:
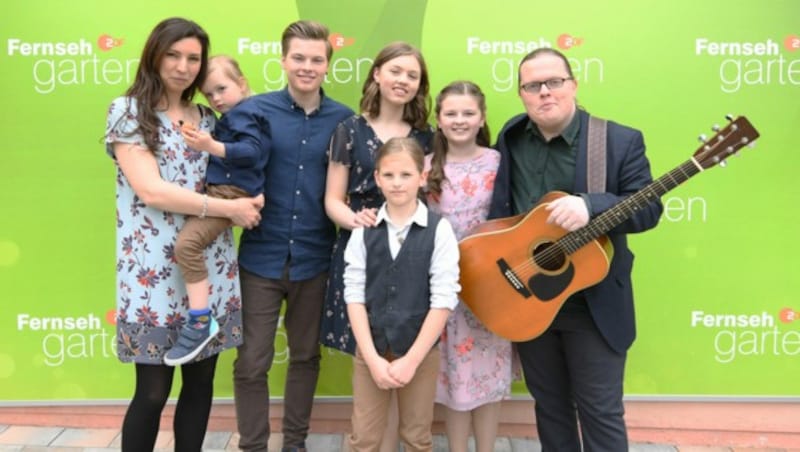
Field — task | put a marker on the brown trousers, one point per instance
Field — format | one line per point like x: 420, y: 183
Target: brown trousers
x: 197, y: 233
x: 414, y: 400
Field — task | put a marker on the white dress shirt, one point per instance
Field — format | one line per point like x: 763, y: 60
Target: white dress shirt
x: 443, y: 270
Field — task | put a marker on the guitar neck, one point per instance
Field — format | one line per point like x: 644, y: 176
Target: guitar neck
x: 725, y: 142
x: 627, y: 208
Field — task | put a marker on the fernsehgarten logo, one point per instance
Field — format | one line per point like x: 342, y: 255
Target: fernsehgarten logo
x: 506, y: 55
x: 73, y: 63
x: 341, y: 70
x: 752, y: 63
x: 82, y: 337
x: 748, y: 335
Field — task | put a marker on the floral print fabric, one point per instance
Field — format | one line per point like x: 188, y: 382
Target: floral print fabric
x: 476, y: 365
x: 355, y: 145
x: 152, y: 304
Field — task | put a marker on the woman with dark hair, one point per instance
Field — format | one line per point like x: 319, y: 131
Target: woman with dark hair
x: 159, y: 181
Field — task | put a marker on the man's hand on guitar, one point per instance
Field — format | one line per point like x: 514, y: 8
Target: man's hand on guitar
x: 568, y: 212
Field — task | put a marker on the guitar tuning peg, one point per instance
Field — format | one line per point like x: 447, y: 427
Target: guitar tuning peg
x: 729, y: 117
x: 751, y: 144
x: 723, y: 164
x: 715, y: 127
x: 702, y: 138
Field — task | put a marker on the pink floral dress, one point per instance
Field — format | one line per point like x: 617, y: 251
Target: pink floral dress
x: 476, y: 366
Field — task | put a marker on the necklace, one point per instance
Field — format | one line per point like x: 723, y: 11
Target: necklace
x: 183, y: 115
x: 401, y: 234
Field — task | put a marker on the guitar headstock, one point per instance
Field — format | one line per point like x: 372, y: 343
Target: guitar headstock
x: 736, y: 135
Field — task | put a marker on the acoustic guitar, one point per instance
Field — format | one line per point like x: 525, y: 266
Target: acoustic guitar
x: 517, y: 272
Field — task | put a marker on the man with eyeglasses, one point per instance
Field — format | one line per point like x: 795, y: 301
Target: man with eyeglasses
x: 574, y: 370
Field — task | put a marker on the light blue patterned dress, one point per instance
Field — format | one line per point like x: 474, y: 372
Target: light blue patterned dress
x: 152, y: 304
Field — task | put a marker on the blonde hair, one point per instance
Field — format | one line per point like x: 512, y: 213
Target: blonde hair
x: 231, y: 68
x: 397, y: 145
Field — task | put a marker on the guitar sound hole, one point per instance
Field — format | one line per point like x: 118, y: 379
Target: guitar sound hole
x: 547, y: 257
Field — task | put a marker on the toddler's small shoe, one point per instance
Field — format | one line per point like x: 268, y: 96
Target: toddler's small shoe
x: 191, y: 342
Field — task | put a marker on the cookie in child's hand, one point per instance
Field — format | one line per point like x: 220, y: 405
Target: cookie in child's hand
x: 186, y: 126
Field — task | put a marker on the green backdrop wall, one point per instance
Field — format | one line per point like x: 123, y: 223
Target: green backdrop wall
x: 716, y: 282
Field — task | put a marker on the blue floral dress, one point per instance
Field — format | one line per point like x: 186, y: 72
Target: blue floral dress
x: 354, y: 144
x: 152, y: 304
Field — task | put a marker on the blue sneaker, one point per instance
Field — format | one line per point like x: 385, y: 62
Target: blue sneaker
x: 191, y: 342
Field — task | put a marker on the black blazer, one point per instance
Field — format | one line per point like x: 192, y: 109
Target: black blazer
x: 627, y: 171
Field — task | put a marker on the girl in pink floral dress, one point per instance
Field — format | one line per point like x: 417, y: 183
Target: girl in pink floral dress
x: 476, y: 366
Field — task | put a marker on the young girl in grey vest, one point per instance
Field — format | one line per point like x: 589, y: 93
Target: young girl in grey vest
x: 401, y: 284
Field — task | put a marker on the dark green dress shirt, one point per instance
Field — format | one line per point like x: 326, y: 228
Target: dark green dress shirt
x: 539, y: 166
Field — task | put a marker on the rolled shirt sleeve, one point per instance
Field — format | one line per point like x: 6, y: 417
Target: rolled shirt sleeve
x: 355, y: 268
x: 444, y: 272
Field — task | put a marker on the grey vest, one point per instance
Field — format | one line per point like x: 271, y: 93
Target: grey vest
x: 398, y: 291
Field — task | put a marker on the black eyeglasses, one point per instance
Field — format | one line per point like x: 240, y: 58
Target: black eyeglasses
x: 535, y: 87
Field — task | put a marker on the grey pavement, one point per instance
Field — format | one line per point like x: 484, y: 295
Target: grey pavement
x: 61, y: 439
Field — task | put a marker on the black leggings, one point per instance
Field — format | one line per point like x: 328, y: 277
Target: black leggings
x: 153, y: 384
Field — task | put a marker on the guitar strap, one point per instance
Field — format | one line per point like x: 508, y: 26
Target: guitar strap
x: 596, y: 162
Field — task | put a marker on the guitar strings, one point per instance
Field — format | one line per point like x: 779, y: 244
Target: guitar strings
x: 559, y: 250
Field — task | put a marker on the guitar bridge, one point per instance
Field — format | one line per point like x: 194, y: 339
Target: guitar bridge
x: 513, y: 279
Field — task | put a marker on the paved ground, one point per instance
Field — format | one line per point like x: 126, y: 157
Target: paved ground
x: 60, y: 439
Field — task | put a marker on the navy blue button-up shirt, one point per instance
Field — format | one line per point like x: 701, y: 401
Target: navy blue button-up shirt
x: 294, y: 227
x: 245, y: 131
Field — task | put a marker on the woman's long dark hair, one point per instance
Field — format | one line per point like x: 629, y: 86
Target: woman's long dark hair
x: 147, y: 87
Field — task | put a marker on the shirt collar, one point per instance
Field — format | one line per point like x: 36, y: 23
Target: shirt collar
x: 292, y: 104
x: 420, y: 216
x: 569, y: 134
